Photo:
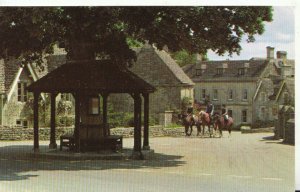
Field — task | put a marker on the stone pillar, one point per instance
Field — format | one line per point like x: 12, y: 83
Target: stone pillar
x: 36, y: 121
x: 53, y: 144
x: 146, y: 122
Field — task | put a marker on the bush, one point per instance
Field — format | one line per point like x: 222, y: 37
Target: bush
x: 262, y: 124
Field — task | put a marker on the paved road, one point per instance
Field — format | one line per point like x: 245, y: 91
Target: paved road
x: 243, y: 162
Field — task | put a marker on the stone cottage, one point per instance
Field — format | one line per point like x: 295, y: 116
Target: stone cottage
x: 154, y: 66
x: 246, y: 87
x: 158, y: 69
x: 14, y: 78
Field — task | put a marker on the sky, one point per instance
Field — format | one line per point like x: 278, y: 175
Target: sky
x: 280, y: 34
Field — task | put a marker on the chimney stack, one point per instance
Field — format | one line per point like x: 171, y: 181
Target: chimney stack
x: 281, y: 55
x: 270, y: 52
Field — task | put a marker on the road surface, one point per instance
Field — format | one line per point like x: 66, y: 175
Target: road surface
x: 242, y: 162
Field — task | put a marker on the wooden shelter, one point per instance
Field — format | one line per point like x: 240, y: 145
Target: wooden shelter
x: 86, y: 80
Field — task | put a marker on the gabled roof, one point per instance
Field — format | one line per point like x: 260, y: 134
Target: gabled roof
x: 289, y: 85
x: 91, y: 77
x: 231, y: 72
x: 174, y: 67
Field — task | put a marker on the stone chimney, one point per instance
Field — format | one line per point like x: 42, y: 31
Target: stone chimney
x: 270, y: 52
x: 281, y: 55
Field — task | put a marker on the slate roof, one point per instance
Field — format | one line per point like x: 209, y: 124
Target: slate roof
x: 174, y: 67
x: 231, y: 73
x: 91, y: 77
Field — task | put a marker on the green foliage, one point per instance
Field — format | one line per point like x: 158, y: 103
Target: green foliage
x: 174, y: 125
x: 185, y: 102
x: 184, y: 58
x: 30, y: 32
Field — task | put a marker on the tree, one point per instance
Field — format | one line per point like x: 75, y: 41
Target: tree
x: 86, y: 32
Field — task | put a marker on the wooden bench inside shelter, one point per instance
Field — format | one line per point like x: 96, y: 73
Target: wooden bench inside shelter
x: 91, y: 139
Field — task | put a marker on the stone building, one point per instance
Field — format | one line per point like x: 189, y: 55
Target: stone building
x: 14, y: 78
x: 157, y: 68
x: 154, y: 66
x: 246, y: 87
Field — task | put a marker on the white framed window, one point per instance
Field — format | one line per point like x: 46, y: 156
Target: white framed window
x: 230, y: 112
x: 203, y: 94
x: 244, y: 116
x: 241, y: 71
x: 220, y: 71
x: 230, y: 94
x: 215, y: 94
x: 22, y: 123
x: 22, y: 92
x: 245, y: 94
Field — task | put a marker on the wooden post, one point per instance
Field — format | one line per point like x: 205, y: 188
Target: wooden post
x: 106, y: 131
x: 53, y: 144
x: 137, y: 149
x: 146, y: 122
x: 36, y: 121
x: 77, y: 122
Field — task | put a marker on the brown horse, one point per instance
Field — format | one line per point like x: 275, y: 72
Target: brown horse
x: 205, y: 121
x: 221, y: 125
x: 188, y: 121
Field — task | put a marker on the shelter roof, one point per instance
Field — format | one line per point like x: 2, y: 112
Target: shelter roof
x: 91, y: 77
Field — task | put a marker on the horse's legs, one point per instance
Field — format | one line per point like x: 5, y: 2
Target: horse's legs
x: 191, y: 129
x: 229, y: 130
x: 186, y: 130
x: 208, y: 125
x: 198, y: 129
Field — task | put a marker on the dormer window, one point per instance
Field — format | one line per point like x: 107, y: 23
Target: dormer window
x: 241, y: 71
x: 220, y: 71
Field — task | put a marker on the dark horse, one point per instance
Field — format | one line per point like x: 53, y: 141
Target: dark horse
x: 188, y: 121
x: 205, y: 121
x: 221, y: 125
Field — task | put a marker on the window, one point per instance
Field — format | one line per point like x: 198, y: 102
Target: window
x: 230, y: 94
x: 245, y: 94
x: 203, y: 96
x: 241, y: 71
x: 22, y: 92
x: 220, y: 71
x: 215, y: 94
x: 244, y: 116
x: 22, y: 123
x: 94, y: 105
x: 230, y: 112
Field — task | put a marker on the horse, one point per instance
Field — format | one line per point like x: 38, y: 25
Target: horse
x: 188, y: 121
x: 205, y: 121
x: 219, y: 122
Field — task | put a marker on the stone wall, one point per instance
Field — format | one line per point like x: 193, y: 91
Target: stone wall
x: 14, y: 133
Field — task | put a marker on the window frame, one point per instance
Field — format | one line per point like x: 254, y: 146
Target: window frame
x: 215, y: 94
x: 244, y: 116
x: 245, y: 94
x: 22, y: 93
x: 203, y: 93
x: 230, y: 94
x: 241, y: 71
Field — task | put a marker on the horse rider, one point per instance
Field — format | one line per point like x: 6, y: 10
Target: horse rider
x: 210, y: 109
x: 224, y: 112
x: 190, y: 110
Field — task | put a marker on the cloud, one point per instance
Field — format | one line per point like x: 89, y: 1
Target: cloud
x: 280, y: 33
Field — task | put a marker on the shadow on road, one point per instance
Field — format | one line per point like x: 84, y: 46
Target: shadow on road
x: 271, y: 140
x: 14, y: 164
